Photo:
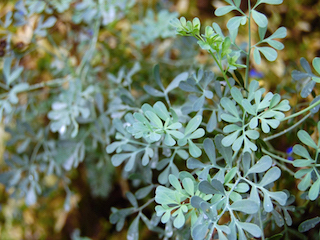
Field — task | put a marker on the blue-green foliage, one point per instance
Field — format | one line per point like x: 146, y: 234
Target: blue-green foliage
x: 153, y: 27
x: 215, y: 126
x: 233, y: 178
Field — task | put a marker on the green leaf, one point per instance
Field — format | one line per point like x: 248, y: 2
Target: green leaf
x: 237, y: 95
x: 248, y: 107
x: 161, y: 110
x: 224, y: 10
x: 308, y: 224
x: 132, y: 199
x: 152, y: 91
x: 306, y: 139
x: 316, y: 64
x: 269, y: 53
x: 261, y: 166
x: 272, y: 175
x: 156, y: 74
x: 193, y: 124
x: 256, y: 55
x: 209, y: 148
x: 188, y: 185
x: 267, y: 203
x: 301, y: 151
x: 235, y: 22
x: 230, y: 175
x: 229, y: 106
x: 279, y: 33
x: 154, y: 118
x: 176, y: 81
x: 143, y: 192
x: 133, y: 231
x: 260, y: 19
x: 314, y: 190
x: 200, y: 231
x: 194, y: 150
x: 280, y: 197
x: 14, y: 75
x: 247, y: 206
x: 251, y: 228
x: 226, y: 152
x: 175, y: 182
x: 262, y: 32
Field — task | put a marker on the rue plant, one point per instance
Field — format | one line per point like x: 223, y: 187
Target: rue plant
x: 223, y: 131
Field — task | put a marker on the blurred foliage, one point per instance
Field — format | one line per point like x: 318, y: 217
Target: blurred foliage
x: 65, y: 56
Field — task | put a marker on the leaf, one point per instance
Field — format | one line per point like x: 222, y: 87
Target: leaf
x: 188, y: 185
x: 256, y: 55
x: 301, y: 151
x: 143, y: 192
x: 269, y: 53
x: 193, y: 124
x: 194, y: 150
x: 316, y: 64
x: 235, y: 22
x: 212, y: 123
x: 200, y: 231
x: 272, y: 175
x: 14, y: 75
x: 49, y: 22
x: 262, y: 32
x: 229, y: 106
x: 133, y: 231
x: 261, y: 166
x: 260, y: 19
x: 152, y: 91
x: 226, y: 152
x: 307, y: 89
x: 132, y: 199
x: 279, y: 33
x: 156, y: 74
x: 308, y: 224
x: 224, y: 10
x: 275, y: 2
x: 176, y: 81
x: 251, y: 228
x: 314, y: 190
x: 306, y: 139
x: 305, y: 65
x: 154, y: 118
x: 247, y: 206
x: 161, y: 110
x: 208, y: 188
x: 6, y: 68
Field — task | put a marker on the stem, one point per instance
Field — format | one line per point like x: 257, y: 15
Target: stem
x: 88, y: 55
x: 221, y: 69
x: 302, y: 111
x: 57, y: 81
x: 216, y: 60
x: 275, y: 156
x: 249, y: 48
x: 288, y: 129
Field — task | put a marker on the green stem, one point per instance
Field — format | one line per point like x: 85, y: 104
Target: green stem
x: 88, y: 55
x: 288, y: 129
x: 249, y: 48
x: 302, y: 111
x: 216, y: 60
x: 275, y: 156
x: 57, y: 81
x: 221, y: 69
